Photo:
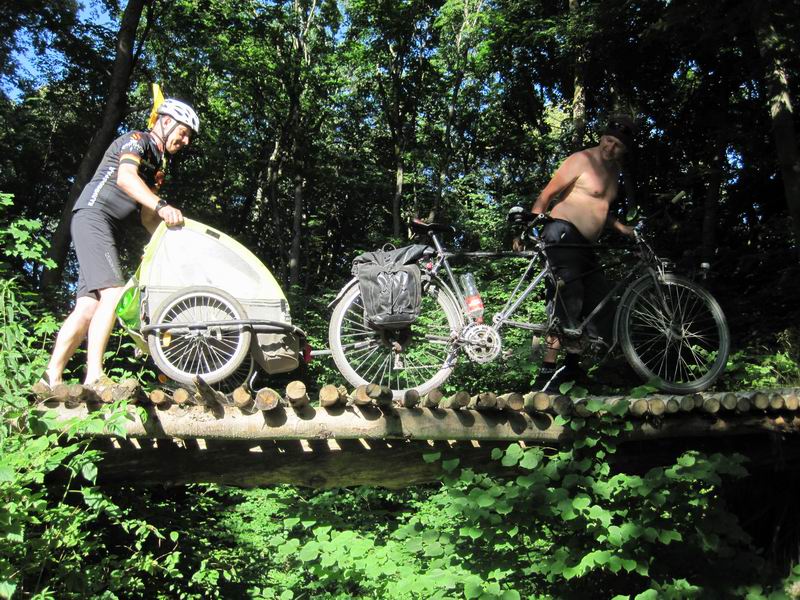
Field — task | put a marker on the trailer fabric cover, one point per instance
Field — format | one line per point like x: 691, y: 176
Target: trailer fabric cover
x: 198, y: 255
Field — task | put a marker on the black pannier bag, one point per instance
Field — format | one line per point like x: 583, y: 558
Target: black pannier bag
x: 391, y: 285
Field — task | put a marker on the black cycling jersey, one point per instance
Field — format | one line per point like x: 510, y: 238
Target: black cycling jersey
x: 103, y: 193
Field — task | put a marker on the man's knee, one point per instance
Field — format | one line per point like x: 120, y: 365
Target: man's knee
x: 84, y: 310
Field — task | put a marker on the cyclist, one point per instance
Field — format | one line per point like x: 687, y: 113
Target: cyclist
x: 579, y: 196
x: 126, y: 181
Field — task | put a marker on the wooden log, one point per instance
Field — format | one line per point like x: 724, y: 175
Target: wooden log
x: 743, y: 404
x: 181, y: 396
x: 360, y: 396
x: 60, y: 392
x: 791, y: 401
x: 729, y: 401
x: 760, y: 401
x: 402, y: 464
x: 76, y: 393
x: 511, y: 401
x: 127, y: 389
x: 41, y: 391
x: 711, y: 405
x: 381, y: 394
x: 296, y: 394
x: 159, y: 398
x: 483, y: 401
x: 672, y: 405
x: 698, y: 400
x: 581, y: 410
x: 410, y: 399
x: 331, y: 395
x: 242, y: 398
x: 640, y: 406
x: 687, y: 403
x: 433, y: 398
x: 206, y: 395
x: 267, y: 399
x: 420, y: 424
x: 537, y: 401
x: 562, y: 405
x: 456, y: 402
x: 776, y: 402
x: 656, y: 406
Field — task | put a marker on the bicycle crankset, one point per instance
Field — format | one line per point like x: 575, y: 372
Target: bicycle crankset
x: 483, y: 344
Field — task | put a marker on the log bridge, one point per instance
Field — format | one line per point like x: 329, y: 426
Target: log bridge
x: 364, y: 437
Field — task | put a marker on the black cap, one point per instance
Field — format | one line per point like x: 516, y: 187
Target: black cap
x: 622, y: 128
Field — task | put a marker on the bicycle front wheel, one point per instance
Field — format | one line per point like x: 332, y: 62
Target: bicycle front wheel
x: 674, y: 334
x: 421, y: 356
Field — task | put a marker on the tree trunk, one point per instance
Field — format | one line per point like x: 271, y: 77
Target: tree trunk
x: 780, y: 110
x: 579, y: 92
x: 710, y: 206
x: 398, y: 187
x: 297, y: 223
x: 112, y: 115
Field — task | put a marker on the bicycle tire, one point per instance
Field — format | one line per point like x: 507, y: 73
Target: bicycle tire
x: 423, y: 363
x: 683, y: 353
x: 213, y: 355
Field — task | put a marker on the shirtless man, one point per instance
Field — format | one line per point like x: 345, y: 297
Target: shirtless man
x: 580, y: 193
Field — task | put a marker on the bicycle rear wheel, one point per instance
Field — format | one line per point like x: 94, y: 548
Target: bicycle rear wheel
x: 674, y: 334
x: 421, y: 357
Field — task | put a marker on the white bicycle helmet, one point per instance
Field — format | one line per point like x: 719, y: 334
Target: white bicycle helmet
x: 181, y: 112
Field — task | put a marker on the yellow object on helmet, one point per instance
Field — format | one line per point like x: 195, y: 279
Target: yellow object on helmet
x: 158, y: 98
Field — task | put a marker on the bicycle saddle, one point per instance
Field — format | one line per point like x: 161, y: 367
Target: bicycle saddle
x: 418, y: 226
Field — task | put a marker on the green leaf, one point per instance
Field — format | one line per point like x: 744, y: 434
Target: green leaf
x: 485, y: 500
x: 309, y: 552
x: 6, y: 473
x: 431, y: 457
x: 666, y: 536
x: 473, y: 589
x: 581, y: 501
x: 89, y: 472
x: 471, y: 532
x: 449, y: 465
x: 531, y: 458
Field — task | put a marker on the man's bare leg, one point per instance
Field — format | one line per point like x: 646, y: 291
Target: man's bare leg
x: 70, y: 336
x: 99, y: 332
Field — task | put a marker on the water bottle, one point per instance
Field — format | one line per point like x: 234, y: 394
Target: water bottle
x: 473, y: 297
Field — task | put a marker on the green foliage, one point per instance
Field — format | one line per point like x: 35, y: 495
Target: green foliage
x: 61, y: 536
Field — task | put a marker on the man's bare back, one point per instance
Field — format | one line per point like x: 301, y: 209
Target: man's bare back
x: 583, y: 187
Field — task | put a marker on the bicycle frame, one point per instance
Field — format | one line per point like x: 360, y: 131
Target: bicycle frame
x: 648, y: 264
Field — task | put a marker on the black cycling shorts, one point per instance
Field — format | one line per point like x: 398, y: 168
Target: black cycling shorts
x: 573, y: 260
x: 95, y: 240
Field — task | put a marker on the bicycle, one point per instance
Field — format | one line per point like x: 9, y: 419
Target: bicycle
x: 671, y: 331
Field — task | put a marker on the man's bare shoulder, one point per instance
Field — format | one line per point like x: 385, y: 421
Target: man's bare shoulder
x: 576, y: 163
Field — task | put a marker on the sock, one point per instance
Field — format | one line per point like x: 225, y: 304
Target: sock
x: 571, y: 361
x: 547, y: 367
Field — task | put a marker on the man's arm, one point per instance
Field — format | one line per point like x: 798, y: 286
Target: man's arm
x: 565, y: 176
x: 613, y: 223
x: 129, y: 182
